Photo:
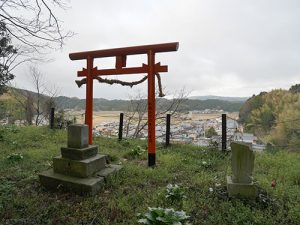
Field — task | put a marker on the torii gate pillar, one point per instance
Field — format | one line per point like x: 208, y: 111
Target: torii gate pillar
x: 151, y: 109
x: 151, y: 69
x: 89, y: 98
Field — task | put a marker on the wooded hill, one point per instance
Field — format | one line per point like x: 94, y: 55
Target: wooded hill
x: 15, y: 103
x: 275, y: 116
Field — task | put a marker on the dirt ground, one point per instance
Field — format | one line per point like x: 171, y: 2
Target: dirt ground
x: 234, y: 115
x: 113, y: 116
x: 98, y: 117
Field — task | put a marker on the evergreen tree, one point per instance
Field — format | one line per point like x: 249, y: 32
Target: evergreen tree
x: 295, y: 88
x: 211, y: 132
x: 7, y: 51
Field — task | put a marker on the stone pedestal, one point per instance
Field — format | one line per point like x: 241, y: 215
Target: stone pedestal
x: 79, y: 168
x: 242, y: 165
x: 247, y: 190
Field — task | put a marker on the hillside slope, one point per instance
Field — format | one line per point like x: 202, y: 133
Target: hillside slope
x: 24, y: 201
x: 63, y: 102
x: 275, y: 116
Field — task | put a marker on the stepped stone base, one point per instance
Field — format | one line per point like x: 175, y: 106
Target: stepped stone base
x: 110, y: 169
x: 79, y: 168
x: 241, y: 189
x: 54, y: 181
x: 79, y: 154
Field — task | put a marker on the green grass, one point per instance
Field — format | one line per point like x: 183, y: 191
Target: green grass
x: 24, y: 201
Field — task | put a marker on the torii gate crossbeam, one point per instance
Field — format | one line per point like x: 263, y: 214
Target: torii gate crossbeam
x: 152, y: 68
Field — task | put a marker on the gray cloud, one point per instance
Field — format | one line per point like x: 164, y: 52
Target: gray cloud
x: 232, y: 47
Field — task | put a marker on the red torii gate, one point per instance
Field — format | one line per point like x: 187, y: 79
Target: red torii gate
x: 121, y: 54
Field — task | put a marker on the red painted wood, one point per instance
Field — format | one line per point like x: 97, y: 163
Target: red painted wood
x: 151, y: 103
x: 89, y: 99
x: 135, y: 50
x: 121, y: 54
x: 122, y: 71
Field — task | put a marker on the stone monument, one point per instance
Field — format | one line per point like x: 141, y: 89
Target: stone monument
x: 80, y: 168
x: 242, y: 165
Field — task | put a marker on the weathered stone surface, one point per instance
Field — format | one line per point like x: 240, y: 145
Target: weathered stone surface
x: 79, y: 168
x: 53, y: 181
x: 246, y: 190
x: 109, y: 170
x: 242, y: 162
x: 242, y: 165
x: 78, y: 136
x: 79, y: 154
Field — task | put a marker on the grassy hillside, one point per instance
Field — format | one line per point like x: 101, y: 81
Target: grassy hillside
x: 24, y: 201
x: 15, y: 101
x: 9, y: 107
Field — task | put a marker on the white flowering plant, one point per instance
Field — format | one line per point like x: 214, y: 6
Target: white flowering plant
x: 163, y: 216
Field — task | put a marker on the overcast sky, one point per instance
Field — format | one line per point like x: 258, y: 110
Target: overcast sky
x: 226, y: 48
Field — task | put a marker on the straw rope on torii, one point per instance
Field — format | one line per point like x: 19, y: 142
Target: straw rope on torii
x: 124, y: 83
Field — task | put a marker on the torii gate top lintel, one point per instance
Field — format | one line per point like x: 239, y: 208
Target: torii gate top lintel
x: 133, y: 50
x: 152, y: 69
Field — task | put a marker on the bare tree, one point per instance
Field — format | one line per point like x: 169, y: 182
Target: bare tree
x: 33, y: 28
x: 136, y: 115
x: 28, y: 106
x: 38, y: 103
x: 42, y: 90
x: 34, y: 23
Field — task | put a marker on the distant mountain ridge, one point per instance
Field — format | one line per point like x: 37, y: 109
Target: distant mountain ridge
x: 230, y: 99
x: 101, y: 104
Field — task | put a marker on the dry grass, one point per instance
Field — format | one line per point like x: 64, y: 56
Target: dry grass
x: 213, y: 115
x: 113, y: 116
x: 98, y: 117
x: 5, y: 96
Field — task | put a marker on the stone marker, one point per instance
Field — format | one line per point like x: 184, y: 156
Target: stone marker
x: 242, y: 165
x: 79, y: 168
x: 78, y: 136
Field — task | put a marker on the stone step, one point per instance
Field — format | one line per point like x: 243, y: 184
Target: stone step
x: 244, y: 190
x: 110, y: 169
x: 79, y: 154
x: 54, y: 181
x: 79, y: 168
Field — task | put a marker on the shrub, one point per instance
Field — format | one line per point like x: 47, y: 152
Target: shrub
x: 136, y: 151
x: 125, y: 143
x: 15, y: 157
x: 213, y: 145
x: 175, y: 192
